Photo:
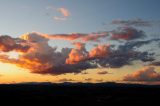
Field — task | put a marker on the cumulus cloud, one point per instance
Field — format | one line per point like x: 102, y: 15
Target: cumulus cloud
x: 43, y: 59
x: 119, y: 58
x: 135, y: 22
x: 39, y: 57
x: 78, y: 55
x: 147, y: 74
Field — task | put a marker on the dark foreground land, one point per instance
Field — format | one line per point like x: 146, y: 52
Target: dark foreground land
x: 90, y: 94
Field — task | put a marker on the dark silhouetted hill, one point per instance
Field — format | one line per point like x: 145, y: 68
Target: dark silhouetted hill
x: 80, y: 93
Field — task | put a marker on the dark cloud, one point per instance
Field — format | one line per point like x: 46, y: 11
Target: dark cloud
x: 135, y: 22
x: 136, y: 44
x: 119, y: 58
x: 8, y: 43
x: 126, y: 33
x: 155, y: 63
x: 147, y: 74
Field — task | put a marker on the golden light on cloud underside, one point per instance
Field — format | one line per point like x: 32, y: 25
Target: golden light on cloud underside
x: 13, y: 74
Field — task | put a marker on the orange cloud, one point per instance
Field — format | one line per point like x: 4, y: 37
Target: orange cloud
x: 80, y: 54
x: 79, y: 45
x: 94, y: 37
x: 146, y: 74
x: 100, y: 51
x: 63, y: 36
x: 40, y: 57
x: 75, y: 36
x: 65, y: 12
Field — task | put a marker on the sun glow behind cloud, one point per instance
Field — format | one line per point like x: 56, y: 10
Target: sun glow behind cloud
x: 123, y: 47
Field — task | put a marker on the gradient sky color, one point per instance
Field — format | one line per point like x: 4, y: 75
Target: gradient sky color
x: 85, y: 16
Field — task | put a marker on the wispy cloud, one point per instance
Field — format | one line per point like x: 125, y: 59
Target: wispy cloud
x: 134, y: 22
x: 64, y: 11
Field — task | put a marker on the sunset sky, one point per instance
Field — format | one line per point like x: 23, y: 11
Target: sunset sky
x: 80, y: 41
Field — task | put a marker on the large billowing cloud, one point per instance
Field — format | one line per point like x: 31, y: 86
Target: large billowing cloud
x: 36, y: 55
x: 44, y: 59
x: 147, y: 74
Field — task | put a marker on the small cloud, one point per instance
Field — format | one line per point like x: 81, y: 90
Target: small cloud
x: 84, y: 72
x: 65, y: 80
x: 88, y: 79
x: 102, y: 72
x: 65, y: 12
x: 59, y: 18
x: 99, y: 80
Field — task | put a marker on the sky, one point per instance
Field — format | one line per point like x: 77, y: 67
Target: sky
x: 80, y: 41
